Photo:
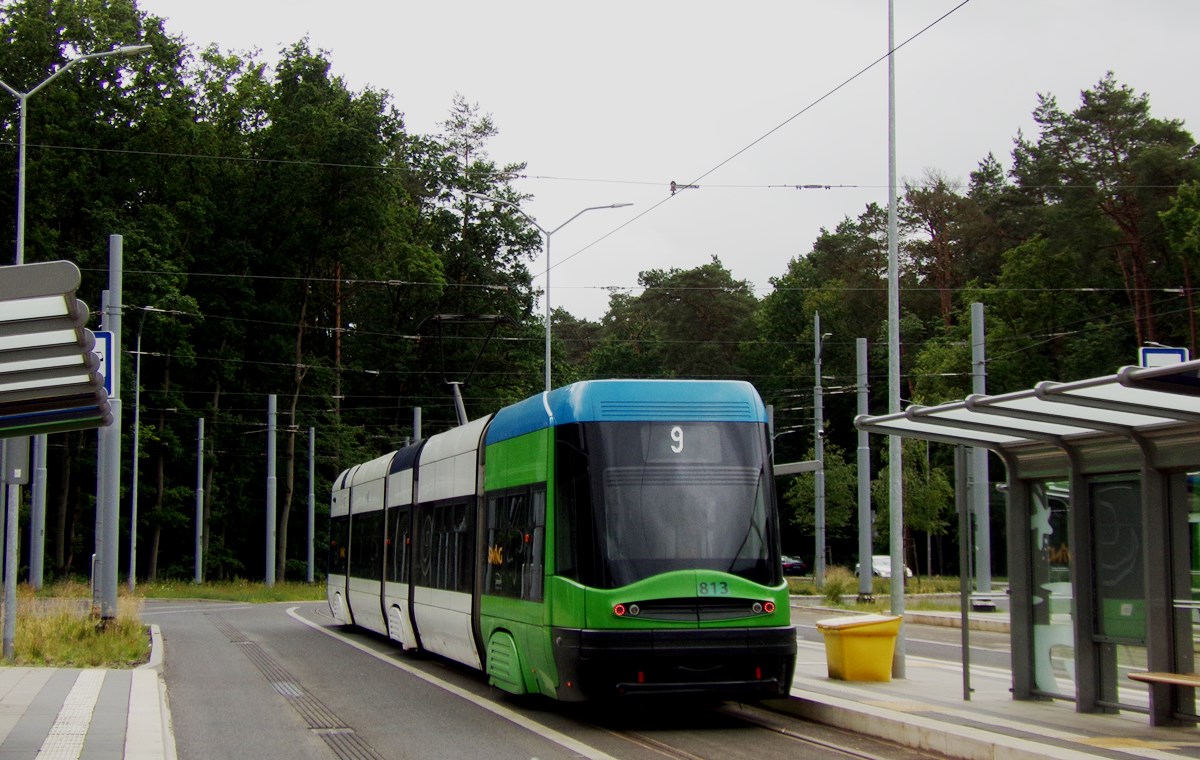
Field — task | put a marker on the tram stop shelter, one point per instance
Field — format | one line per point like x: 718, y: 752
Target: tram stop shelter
x: 50, y: 374
x: 1103, y: 526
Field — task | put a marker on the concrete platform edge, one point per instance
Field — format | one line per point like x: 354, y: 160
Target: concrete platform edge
x: 997, y: 625
x: 917, y: 732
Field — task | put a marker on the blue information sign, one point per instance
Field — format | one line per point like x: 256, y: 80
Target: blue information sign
x: 104, y: 341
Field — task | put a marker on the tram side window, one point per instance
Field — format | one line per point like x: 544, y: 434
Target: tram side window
x: 534, y: 574
x: 573, y: 555
x: 444, y: 547
x: 399, y: 545
x: 338, y: 535
x: 366, y: 539
x: 462, y: 547
x: 516, y: 537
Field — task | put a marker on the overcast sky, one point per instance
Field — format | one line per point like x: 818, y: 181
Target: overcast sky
x: 610, y: 102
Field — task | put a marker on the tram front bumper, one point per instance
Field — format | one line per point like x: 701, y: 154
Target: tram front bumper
x: 727, y: 663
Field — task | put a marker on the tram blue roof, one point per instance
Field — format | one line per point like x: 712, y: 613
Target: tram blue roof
x: 628, y: 401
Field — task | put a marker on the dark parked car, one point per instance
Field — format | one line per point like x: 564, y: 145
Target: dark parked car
x: 794, y: 566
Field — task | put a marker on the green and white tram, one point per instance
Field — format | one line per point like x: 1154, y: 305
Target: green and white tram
x: 608, y: 538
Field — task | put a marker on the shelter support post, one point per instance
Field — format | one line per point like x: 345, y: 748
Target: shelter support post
x: 1020, y: 584
x: 1157, y: 559
x: 1087, y: 653
x: 961, y: 503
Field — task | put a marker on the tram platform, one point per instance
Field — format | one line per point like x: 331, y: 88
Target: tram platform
x: 926, y: 710
x: 91, y: 714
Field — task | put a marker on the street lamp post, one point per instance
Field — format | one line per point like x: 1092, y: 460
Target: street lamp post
x: 14, y: 490
x: 819, y: 455
x: 547, y: 233
x: 23, y: 100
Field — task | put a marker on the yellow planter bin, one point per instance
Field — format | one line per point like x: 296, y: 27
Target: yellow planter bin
x: 860, y: 647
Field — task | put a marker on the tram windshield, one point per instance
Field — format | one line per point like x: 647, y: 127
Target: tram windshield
x: 635, y: 499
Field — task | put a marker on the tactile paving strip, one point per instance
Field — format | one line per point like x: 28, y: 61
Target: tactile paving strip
x: 65, y: 741
x: 345, y: 742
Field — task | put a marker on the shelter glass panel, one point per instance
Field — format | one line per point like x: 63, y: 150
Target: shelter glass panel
x: 1185, y: 576
x: 1053, y: 600
x: 1118, y: 551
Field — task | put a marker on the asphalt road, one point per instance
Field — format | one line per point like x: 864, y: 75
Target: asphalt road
x: 253, y: 681
x: 281, y: 681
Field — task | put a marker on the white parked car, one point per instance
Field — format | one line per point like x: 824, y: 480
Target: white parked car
x: 881, y: 565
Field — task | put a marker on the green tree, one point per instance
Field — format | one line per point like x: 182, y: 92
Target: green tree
x: 844, y: 279
x: 1182, y: 223
x: 945, y: 229
x: 113, y: 118
x: 841, y: 495
x: 575, y: 342
x: 1102, y: 173
x: 328, y: 205
x: 686, y: 323
x: 484, y: 249
x: 297, y: 237
x: 928, y: 496
x: 629, y: 342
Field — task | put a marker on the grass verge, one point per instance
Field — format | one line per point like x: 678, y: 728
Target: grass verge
x: 55, y: 626
x: 804, y: 586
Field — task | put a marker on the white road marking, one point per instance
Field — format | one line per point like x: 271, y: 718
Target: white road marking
x: 205, y: 608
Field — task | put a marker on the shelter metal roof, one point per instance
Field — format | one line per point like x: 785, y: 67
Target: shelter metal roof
x: 50, y: 377
x: 1134, y: 401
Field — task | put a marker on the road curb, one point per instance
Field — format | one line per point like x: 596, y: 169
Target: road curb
x: 149, y: 732
x: 156, y: 650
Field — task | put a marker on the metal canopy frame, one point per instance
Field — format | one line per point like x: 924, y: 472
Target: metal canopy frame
x: 1146, y: 402
x: 50, y: 377
x: 1143, y: 422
